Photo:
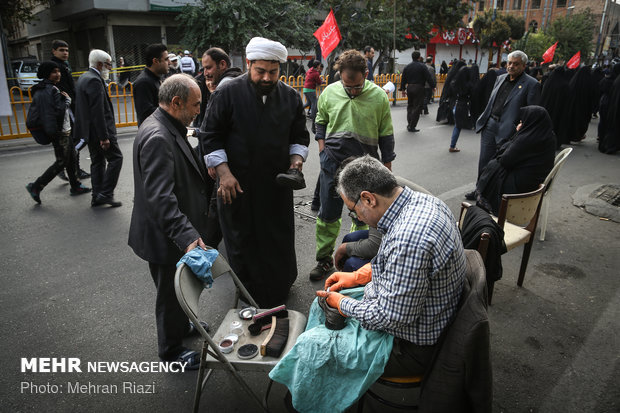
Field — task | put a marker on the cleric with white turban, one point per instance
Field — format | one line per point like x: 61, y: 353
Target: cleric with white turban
x: 260, y: 48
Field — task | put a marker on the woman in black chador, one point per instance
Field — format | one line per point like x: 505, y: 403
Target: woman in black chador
x: 462, y: 87
x: 448, y: 97
x: 581, y: 97
x: 522, y: 163
x: 609, y: 109
x: 554, y: 98
x: 482, y: 93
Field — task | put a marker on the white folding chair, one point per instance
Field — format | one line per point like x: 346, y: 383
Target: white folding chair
x: 560, y: 158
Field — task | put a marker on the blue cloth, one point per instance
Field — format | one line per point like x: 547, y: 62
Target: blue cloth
x: 328, y: 370
x: 200, y: 262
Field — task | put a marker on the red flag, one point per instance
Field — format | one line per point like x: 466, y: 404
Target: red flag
x: 328, y: 35
x: 574, y: 61
x: 548, y: 55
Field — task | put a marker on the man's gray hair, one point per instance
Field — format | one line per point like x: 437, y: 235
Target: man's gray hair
x: 520, y: 55
x: 365, y: 174
x: 98, y: 56
x: 176, y: 85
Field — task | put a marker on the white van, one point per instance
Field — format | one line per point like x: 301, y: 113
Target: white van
x: 25, y: 72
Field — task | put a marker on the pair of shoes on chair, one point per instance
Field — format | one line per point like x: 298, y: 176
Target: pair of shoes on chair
x: 79, y: 190
x: 323, y: 268
x: 454, y: 150
x: 99, y: 200
x: 293, y: 178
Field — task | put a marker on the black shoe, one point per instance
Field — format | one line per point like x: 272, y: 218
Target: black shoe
x: 323, y: 269
x: 79, y: 190
x: 105, y: 200
x: 34, y: 192
x: 471, y: 196
x: 293, y: 178
x: 63, y: 176
x: 191, y: 357
x: 82, y: 174
x: 413, y: 130
x: 333, y: 319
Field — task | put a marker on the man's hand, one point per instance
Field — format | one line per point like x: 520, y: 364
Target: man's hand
x: 404, y: 92
x: 341, y: 256
x: 340, y: 280
x: 212, y: 173
x: 197, y: 243
x: 105, y: 144
x: 321, y: 143
x: 297, y: 162
x: 333, y: 299
x: 388, y: 165
x: 229, y: 186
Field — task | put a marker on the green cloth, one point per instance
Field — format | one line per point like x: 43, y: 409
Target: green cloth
x: 308, y: 90
x: 328, y: 370
x: 326, y: 234
x: 355, y: 227
x: 357, y: 118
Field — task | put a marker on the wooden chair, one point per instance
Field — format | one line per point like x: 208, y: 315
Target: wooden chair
x: 188, y: 290
x: 560, y: 158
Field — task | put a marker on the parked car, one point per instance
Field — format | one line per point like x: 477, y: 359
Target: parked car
x: 25, y: 72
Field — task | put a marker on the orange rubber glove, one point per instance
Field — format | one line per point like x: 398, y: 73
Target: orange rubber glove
x: 333, y: 299
x: 341, y: 280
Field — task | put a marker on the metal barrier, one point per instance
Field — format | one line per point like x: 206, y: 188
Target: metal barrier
x: 14, y: 126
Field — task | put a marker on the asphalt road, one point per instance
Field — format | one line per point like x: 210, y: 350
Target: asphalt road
x: 73, y: 288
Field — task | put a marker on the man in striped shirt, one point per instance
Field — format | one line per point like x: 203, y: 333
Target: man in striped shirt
x: 414, y: 284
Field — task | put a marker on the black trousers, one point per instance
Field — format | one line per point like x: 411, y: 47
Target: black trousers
x: 415, y: 100
x: 65, y: 159
x: 172, y: 323
x: 408, y: 359
x: 105, y: 166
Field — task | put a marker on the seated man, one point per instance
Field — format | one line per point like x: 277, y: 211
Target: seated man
x: 412, y: 289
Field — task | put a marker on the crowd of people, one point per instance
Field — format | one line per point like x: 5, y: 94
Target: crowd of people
x: 237, y: 185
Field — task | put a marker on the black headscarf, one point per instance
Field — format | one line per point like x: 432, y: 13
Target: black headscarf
x: 45, y: 69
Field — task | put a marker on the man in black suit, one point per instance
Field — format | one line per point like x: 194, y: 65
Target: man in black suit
x: 171, y: 201
x: 146, y: 86
x: 94, y: 123
x: 415, y: 76
x: 511, y: 92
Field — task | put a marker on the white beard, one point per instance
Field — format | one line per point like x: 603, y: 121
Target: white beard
x: 105, y: 74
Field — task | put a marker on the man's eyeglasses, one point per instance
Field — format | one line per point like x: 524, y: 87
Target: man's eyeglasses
x: 352, y: 213
x: 108, y: 64
x: 350, y: 89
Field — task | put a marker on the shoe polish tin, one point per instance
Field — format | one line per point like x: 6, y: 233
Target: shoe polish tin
x: 247, y: 313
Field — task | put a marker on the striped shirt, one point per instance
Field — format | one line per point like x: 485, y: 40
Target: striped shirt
x: 418, y: 273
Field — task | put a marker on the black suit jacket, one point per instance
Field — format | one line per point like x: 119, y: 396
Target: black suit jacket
x: 171, y: 197
x: 525, y: 92
x: 94, y: 115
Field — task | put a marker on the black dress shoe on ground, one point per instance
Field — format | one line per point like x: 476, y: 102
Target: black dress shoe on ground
x: 471, y: 196
x: 413, y: 130
x: 293, y: 178
x: 105, y: 200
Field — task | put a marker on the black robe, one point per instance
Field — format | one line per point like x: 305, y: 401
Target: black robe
x: 554, y: 98
x: 581, y: 98
x: 448, y: 97
x: 463, y: 85
x: 258, y: 226
x: 610, y: 142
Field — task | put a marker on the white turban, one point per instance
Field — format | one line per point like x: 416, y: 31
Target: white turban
x: 260, y: 48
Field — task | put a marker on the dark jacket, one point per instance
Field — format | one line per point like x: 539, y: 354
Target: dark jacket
x: 461, y: 379
x: 94, y: 115
x: 48, y: 108
x: 525, y: 92
x: 146, y: 92
x: 66, y: 84
x: 171, y: 197
x: 416, y: 73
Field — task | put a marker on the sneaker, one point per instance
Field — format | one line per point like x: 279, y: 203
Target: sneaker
x: 454, y: 150
x: 323, y: 269
x: 34, y: 192
x: 79, y: 190
x: 293, y: 178
x: 63, y: 176
x: 82, y: 174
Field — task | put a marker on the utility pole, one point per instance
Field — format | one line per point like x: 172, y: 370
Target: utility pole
x: 600, y: 31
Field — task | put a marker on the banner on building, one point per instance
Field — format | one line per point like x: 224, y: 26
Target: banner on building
x: 460, y: 36
x: 328, y: 35
x: 171, y: 5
